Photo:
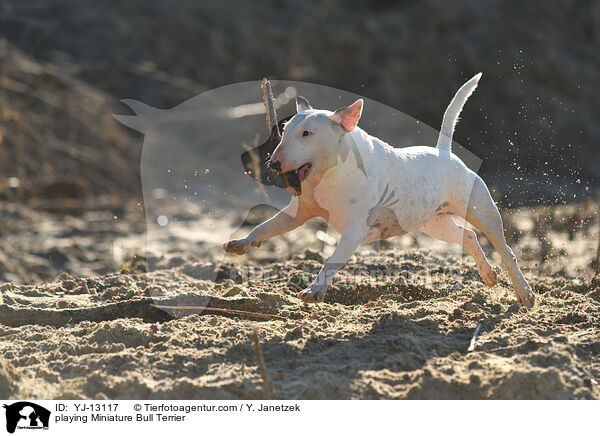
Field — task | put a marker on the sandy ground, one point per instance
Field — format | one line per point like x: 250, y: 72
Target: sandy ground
x: 397, y: 323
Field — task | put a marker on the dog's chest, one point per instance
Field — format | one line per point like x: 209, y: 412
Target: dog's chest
x: 336, y: 203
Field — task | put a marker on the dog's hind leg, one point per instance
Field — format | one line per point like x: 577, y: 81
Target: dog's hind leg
x: 444, y: 228
x: 482, y: 213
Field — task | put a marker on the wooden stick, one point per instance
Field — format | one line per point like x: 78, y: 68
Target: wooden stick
x: 269, y: 101
x: 261, y: 364
x: 144, y: 308
x: 221, y: 310
x: 507, y: 348
x: 474, y: 338
x: 289, y: 179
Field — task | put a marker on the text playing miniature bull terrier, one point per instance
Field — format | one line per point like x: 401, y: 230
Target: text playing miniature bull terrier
x: 386, y: 192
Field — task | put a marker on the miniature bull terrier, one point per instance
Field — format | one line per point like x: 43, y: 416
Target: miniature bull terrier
x: 368, y: 190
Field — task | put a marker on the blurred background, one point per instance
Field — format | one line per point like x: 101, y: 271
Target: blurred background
x: 69, y: 173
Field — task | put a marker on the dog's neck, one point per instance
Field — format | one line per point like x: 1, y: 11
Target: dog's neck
x: 358, y: 147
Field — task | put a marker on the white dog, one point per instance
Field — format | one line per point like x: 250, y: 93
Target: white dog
x: 386, y: 192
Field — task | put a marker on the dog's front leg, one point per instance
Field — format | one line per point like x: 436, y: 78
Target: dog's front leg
x: 290, y: 217
x: 351, y: 238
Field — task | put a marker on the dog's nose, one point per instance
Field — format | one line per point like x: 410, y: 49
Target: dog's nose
x: 276, y: 165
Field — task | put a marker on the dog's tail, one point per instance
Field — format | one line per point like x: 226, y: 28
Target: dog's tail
x: 453, y: 111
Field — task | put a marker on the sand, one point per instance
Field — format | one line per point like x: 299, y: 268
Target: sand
x: 400, y: 333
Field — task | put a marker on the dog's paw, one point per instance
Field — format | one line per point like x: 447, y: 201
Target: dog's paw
x: 239, y: 246
x: 489, y: 276
x: 313, y: 294
x: 526, y: 297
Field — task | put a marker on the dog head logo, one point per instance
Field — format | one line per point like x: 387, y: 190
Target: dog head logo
x: 193, y: 179
x: 26, y: 415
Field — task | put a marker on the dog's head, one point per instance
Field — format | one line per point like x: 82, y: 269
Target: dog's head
x: 311, y: 140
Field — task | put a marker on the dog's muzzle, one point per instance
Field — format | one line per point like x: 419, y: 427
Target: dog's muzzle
x: 290, y: 179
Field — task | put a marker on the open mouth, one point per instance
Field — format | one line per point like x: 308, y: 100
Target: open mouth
x: 293, y: 179
x: 303, y: 171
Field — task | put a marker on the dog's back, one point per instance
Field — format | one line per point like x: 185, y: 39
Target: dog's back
x: 418, y: 181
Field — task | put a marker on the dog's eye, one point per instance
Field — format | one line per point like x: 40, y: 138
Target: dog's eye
x: 306, y: 133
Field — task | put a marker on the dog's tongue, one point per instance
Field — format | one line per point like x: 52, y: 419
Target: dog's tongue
x: 291, y: 180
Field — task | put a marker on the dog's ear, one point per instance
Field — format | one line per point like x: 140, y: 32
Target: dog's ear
x: 348, y: 117
x: 302, y: 104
